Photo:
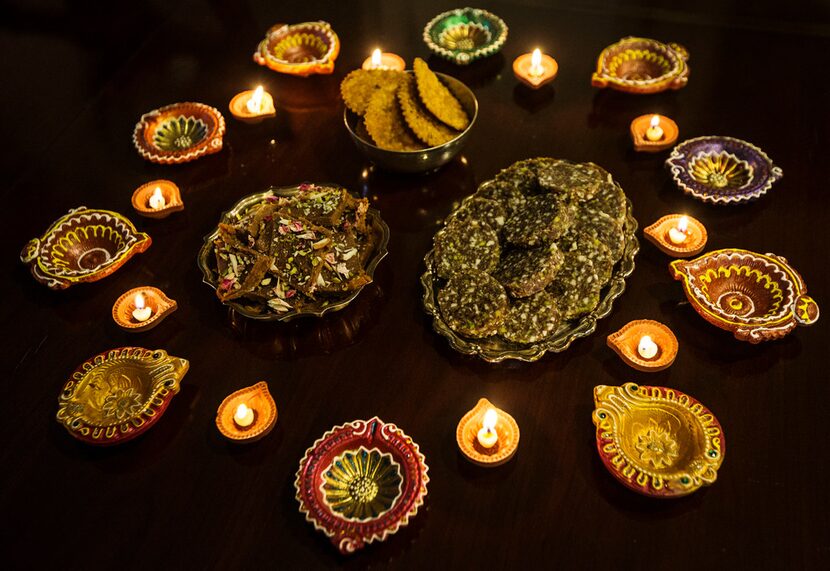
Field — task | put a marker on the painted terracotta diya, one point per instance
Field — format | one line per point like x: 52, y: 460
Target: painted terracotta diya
x: 299, y: 49
x: 142, y: 308
x: 83, y: 245
x: 118, y: 395
x: 653, y: 133
x: 722, y: 170
x: 657, y: 441
x: 361, y: 482
x: 487, y: 436
x: 678, y: 235
x: 535, y: 69
x: 464, y: 35
x: 157, y: 199
x: 642, y: 65
x: 179, y: 133
x: 757, y: 297
x: 247, y: 414
x: 645, y: 344
x: 252, y: 106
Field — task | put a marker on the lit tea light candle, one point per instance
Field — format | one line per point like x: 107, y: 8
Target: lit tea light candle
x: 535, y: 69
x: 680, y: 233
x: 244, y: 416
x: 487, y: 435
x: 647, y: 348
x: 157, y: 201
x: 254, y: 104
x: 654, y: 131
x: 141, y: 313
x: 384, y: 60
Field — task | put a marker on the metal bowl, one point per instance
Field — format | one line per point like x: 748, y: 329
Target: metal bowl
x: 422, y: 160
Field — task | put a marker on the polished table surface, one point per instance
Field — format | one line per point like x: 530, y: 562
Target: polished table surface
x: 76, y: 79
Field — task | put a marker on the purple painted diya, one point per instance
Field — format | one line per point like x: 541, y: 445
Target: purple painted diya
x: 722, y: 170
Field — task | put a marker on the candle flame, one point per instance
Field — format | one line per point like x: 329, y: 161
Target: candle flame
x: 254, y: 104
x: 655, y: 121
x: 683, y: 224
x: 376, y: 58
x: 536, y: 58
x: 241, y: 411
x: 490, y: 419
x: 139, y: 301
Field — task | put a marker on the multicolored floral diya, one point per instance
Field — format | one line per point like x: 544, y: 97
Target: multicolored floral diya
x: 119, y: 394
x: 757, y: 297
x: 361, y: 482
x: 657, y: 441
x: 642, y: 65
x: 722, y: 170
x: 84, y: 245
x: 464, y: 35
x: 299, y: 49
x: 179, y: 133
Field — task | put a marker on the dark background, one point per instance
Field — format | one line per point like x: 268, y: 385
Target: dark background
x: 76, y: 77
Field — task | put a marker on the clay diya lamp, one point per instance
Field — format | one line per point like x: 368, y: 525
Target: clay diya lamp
x: 142, y: 308
x: 645, y: 345
x: 179, y: 133
x: 757, y: 297
x: 464, y: 35
x: 253, y: 105
x: 486, y: 435
x: 722, y: 170
x: 536, y: 69
x: 642, y: 65
x: 384, y: 60
x: 84, y: 245
x: 657, y: 441
x: 157, y: 199
x: 117, y: 395
x: 678, y: 235
x: 361, y: 482
x: 247, y: 414
x: 299, y: 49
x: 653, y: 133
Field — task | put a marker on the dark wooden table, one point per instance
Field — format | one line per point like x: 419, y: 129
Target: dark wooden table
x: 76, y: 79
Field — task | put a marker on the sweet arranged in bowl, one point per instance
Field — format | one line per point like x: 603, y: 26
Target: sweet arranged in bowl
x: 642, y: 65
x: 83, y: 245
x: 299, y: 49
x: 464, y: 35
x: 722, y: 170
x: 179, y: 133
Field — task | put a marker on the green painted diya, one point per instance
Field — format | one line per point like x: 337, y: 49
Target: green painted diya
x: 464, y: 35
x: 179, y: 133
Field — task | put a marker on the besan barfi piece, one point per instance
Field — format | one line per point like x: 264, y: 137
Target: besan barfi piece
x: 481, y: 210
x: 525, y: 272
x: 437, y: 98
x: 531, y: 319
x: 321, y: 205
x: 543, y: 219
x: 473, y: 303
x: 576, y: 287
x: 462, y: 246
x: 299, y: 250
x: 342, y: 269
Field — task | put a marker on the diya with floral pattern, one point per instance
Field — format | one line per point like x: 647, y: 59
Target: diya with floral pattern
x: 642, y: 65
x: 119, y: 394
x: 757, y: 297
x: 179, y: 133
x: 722, y: 170
x: 83, y: 245
x: 464, y: 35
x: 361, y: 482
x: 657, y: 441
x: 299, y: 49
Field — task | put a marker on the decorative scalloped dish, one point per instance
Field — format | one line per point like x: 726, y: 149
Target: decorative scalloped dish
x: 722, y: 170
x: 299, y: 49
x: 377, y: 233
x: 118, y: 395
x: 361, y: 482
x: 84, y: 245
x: 179, y: 133
x: 756, y: 297
x: 464, y: 35
x: 642, y: 65
x: 657, y: 441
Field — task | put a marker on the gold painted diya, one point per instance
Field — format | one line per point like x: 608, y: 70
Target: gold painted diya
x: 299, y: 49
x: 671, y: 238
x: 642, y: 65
x: 259, y: 400
x: 159, y: 306
x: 84, y: 245
x: 504, y: 426
x: 757, y: 297
x: 179, y: 133
x: 145, y: 199
x: 118, y: 395
x: 657, y: 441
x: 627, y: 344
